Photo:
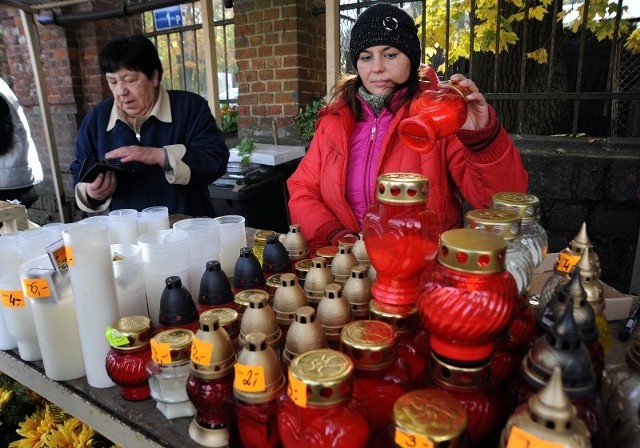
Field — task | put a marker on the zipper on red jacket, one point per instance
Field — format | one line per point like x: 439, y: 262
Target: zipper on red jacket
x: 367, y: 165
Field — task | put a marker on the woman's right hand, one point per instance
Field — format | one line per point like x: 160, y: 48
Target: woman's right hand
x: 103, y: 186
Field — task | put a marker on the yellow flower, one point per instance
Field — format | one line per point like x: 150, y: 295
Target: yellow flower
x: 33, y: 430
x: 5, y: 397
x: 71, y: 434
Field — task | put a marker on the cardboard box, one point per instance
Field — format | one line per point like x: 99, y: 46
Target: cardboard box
x: 617, y: 305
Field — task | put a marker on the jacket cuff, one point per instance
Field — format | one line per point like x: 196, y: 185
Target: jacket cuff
x: 180, y: 172
x: 84, y: 202
x: 486, y: 145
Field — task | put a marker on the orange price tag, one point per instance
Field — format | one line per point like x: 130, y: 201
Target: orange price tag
x: 519, y: 438
x: 69, y: 251
x: 566, y: 262
x: 297, y: 391
x: 160, y: 352
x: 12, y: 299
x: 201, y: 352
x: 406, y: 439
x: 249, y: 378
x: 36, y: 288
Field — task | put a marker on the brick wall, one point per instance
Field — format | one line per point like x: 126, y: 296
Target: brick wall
x: 280, y: 51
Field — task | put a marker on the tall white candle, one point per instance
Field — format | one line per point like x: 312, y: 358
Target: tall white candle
x: 164, y: 253
x: 8, y: 262
x: 129, y: 274
x: 123, y: 226
x: 94, y: 292
x: 233, y: 237
x: 55, y: 318
x: 204, y: 243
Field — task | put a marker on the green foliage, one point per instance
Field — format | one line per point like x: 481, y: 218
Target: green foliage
x: 305, y: 121
x: 245, y: 148
x: 229, y: 120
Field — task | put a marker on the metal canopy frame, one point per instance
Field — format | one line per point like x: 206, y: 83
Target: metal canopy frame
x: 29, y: 9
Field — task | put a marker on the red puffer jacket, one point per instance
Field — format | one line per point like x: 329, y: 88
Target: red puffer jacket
x: 476, y: 164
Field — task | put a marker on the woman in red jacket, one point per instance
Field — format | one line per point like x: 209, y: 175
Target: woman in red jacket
x: 357, y: 138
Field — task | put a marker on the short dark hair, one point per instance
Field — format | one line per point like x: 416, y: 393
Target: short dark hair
x: 135, y: 52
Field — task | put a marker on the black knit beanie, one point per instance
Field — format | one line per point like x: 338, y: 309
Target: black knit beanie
x: 385, y: 24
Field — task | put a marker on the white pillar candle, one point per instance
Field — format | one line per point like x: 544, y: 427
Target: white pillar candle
x: 164, y: 253
x: 54, y: 314
x: 8, y: 262
x: 129, y: 274
x: 233, y: 237
x: 204, y: 244
x: 94, y: 292
x: 156, y: 218
x: 123, y: 226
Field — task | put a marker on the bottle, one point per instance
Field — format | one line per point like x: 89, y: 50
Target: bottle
x: 413, y: 422
x: 215, y: 289
x: 305, y: 334
x: 357, y: 291
x: 168, y: 370
x: 401, y: 236
x: 296, y: 244
x: 177, y: 309
x: 288, y: 298
x: 334, y: 313
x: 258, y: 383
x: 130, y: 353
x: 210, y: 381
x: 469, y: 280
x: 371, y: 346
x: 547, y: 419
x: 435, y: 114
x: 412, y: 339
x: 528, y: 207
x: 318, y: 410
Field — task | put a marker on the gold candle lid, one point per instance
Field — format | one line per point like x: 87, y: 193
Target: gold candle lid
x: 524, y: 204
x: 503, y: 223
x: 227, y: 317
x: 129, y: 332
x: 369, y: 343
x: 432, y: 413
x: 260, y: 237
x: 472, y: 251
x: 403, y: 318
x: 273, y: 281
x: 213, y: 354
x: 242, y: 298
x: 179, y: 340
x: 327, y: 375
x: 402, y: 188
x: 302, y: 267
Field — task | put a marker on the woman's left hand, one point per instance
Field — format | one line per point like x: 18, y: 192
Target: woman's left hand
x: 477, y: 107
x: 135, y: 153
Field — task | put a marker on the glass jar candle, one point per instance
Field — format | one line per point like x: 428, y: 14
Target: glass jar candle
x: 129, y: 355
x: 371, y: 346
x: 260, y: 241
x: 528, y: 207
x: 210, y: 381
x: 168, y: 370
x: 469, y: 280
x: 401, y: 236
x: 258, y: 383
x: 318, y: 410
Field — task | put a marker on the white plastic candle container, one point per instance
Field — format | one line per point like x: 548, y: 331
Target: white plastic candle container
x: 55, y: 318
x: 164, y: 253
x: 129, y: 274
x: 156, y: 218
x: 233, y: 237
x: 94, y: 292
x: 123, y: 226
x: 204, y: 245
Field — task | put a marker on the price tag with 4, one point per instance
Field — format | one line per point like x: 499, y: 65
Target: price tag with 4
x: 519, y: 438
x: 201, y: 352
x: 249, y: 378
x: 297, y: 391
x: 407, y: 439
x: 566, y: 262
x: 12, y: 298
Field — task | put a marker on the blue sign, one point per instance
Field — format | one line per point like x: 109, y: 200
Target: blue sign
x: 169, y: 17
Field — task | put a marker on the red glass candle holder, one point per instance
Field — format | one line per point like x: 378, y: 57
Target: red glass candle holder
x: 435, y: 114
x: 401, y: 236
